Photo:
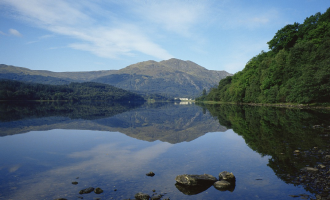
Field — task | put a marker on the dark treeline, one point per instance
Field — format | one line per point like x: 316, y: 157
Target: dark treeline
x: 295, y: 70
x: 18, y: 110
x: 15, y: 90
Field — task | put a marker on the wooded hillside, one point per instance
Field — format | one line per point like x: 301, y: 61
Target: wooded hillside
x: 295, y: 70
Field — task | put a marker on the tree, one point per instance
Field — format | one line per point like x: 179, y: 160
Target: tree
x: 204, y: 92
x: 285, y: 38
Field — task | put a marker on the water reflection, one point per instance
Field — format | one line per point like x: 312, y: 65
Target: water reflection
x: 192, y: 190
x: 294, y: 139
x: 113, y: 148
x: 114, y: 160
x: 161, y: 121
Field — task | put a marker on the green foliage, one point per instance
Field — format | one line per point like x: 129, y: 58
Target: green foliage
x: 285, y: 38
x: 295, y: 70
x: 15, y: 90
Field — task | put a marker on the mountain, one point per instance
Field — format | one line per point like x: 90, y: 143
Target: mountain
x: 173, y: 77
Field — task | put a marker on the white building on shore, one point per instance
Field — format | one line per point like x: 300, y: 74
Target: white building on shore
x: 184, y: 99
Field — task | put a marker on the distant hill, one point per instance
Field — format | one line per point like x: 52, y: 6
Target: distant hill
x: 174, y: 77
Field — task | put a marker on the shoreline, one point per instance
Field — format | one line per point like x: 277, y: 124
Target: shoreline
x: 282, y: 105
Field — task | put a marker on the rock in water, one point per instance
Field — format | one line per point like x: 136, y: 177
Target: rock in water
x: 98, y: 190
x: 150, y: 174
x: 327, y: 157
x: 191, y: 180
x: 309, y: 169
x: 222, y: 185
x: 142, y: 196
x: 86, y: 191
x: 227, y: 177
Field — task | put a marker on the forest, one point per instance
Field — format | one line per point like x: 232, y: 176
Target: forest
x: 16, y: 90
x: 296, y: 69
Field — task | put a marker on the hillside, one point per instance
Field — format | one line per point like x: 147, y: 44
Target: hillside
x: 295, y: 70
x: 174, y: 77
x: 63, y: 76
x: 15, y: 90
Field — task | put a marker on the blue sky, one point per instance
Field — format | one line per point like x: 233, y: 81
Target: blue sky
x: 70, y: 35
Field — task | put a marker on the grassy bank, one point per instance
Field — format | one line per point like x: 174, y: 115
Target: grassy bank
x: 287, y: 105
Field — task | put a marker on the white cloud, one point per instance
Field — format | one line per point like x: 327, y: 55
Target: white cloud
x: 117, y: 29
x: 14, y: 32
x: 110, y: 39
x: 40, y: 39
x: 107, y: 42
x: 2, y: 33
x: 175, y: 16
x: 46, y: 37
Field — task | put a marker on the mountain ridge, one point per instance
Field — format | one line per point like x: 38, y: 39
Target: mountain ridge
x: 173, y: 77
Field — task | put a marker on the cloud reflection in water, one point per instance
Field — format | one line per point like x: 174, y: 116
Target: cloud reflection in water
x: 103, y: 164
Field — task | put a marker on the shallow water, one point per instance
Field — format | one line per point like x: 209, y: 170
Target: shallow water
x: 42, y: 155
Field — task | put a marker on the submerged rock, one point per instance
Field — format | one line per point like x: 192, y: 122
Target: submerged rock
x: 193, y: 180
x: 142, y: 196
x: 86, y: 191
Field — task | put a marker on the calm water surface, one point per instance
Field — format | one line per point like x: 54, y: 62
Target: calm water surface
x: 44, y: 148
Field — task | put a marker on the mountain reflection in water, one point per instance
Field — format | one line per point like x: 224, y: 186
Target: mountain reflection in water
x: 150, y: 122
